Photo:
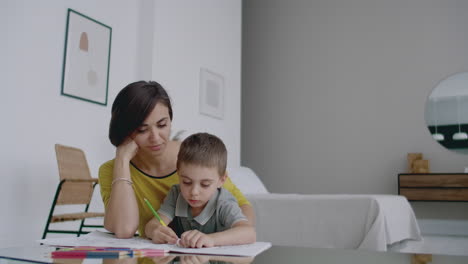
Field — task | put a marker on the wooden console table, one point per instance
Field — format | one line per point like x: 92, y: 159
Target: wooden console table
x: 434, y: 186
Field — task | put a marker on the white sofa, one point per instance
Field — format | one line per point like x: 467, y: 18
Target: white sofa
x: 373, y: 222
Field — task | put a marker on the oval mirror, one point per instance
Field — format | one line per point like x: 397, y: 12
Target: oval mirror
x: 447, y: 113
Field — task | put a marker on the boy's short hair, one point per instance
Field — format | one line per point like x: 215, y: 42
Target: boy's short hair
x: 204, y: 150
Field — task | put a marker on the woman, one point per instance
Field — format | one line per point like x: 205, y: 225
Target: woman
x: 145, y: 161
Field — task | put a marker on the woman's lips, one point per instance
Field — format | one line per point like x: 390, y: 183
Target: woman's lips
x: 156, y: 147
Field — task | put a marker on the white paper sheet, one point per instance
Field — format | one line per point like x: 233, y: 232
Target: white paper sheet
x: 101, y: 239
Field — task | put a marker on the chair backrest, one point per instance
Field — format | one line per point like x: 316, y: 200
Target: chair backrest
x: 72, y: 164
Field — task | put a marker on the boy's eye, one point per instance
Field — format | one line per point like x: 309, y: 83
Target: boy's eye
x: 186, y: 182
x: 206, y: 185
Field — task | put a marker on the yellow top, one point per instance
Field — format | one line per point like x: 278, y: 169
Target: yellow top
x: 153, y: 188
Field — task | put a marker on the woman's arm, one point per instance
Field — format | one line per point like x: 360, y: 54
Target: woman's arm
x: 122, y: 214
x: 249, y: 212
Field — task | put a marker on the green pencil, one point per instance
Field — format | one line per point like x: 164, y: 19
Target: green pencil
x: 154, y: 212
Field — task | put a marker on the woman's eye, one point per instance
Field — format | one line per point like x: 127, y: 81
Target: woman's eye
x: 141, y: 130
x: 162, y: 125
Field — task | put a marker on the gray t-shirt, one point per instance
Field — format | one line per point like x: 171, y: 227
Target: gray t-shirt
x: 219, y: 214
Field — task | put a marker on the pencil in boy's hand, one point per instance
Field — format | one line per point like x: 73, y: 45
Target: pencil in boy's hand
x: 154, y: 212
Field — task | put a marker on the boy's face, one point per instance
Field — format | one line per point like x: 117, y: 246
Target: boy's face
x: 198, y: 184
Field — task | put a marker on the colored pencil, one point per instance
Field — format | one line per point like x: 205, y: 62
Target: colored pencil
x: 89, y: 254
x: 150, y: 252
x: 154, y: 212
x: 94, y: 249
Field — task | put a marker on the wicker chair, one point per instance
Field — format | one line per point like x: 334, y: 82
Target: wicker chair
x: 76, y: 187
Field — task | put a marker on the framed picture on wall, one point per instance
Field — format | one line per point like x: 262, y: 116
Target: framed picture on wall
x: 211, y: 94
x: 86, y: 60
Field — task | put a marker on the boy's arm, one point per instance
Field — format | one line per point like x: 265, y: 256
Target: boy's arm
x: 241, y: 230
x: 154, y: 230
x: 242, y: 201
x: 240, y: 233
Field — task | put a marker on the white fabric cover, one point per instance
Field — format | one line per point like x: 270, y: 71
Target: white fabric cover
x: 246, y: 180
x: 334, y: 221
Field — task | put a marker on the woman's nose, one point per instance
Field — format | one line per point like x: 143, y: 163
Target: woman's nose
x: 154, y: 135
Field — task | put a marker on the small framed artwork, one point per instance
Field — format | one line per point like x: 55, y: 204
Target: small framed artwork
x: 211, y: 94
x: 86, y: 60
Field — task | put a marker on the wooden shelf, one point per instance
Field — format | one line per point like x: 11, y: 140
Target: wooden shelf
x: 433, y: 186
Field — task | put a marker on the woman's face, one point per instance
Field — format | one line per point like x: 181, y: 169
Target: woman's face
x: 153, y: 134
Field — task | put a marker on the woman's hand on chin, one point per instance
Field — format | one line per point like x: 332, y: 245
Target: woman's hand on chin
x: 127, y: 150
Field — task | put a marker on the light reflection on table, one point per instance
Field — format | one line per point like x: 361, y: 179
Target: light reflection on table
x: 276, y: 254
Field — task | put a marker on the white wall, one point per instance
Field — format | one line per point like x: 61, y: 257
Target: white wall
x: 201, y: 34
x: 334, y: 92
x: 35, y: 116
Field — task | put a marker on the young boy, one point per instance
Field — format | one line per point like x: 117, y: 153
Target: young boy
x: 202, y: 213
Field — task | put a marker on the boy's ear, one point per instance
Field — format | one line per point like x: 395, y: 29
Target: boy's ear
x: 222, y: 179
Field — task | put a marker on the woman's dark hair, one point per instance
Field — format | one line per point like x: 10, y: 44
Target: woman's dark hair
x: 132, y: 106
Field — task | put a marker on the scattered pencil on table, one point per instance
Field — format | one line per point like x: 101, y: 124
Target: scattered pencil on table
x: 154, y: 212
x: 89, y: 254
x: 106, y: 253
x: 150, y: 252
x: 94, y: 249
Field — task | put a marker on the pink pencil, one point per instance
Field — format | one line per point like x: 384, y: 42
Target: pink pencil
x: 150, y: 252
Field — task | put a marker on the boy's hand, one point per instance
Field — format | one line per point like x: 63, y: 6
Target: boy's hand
x: 164, y: 235
x: 195, y: 239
